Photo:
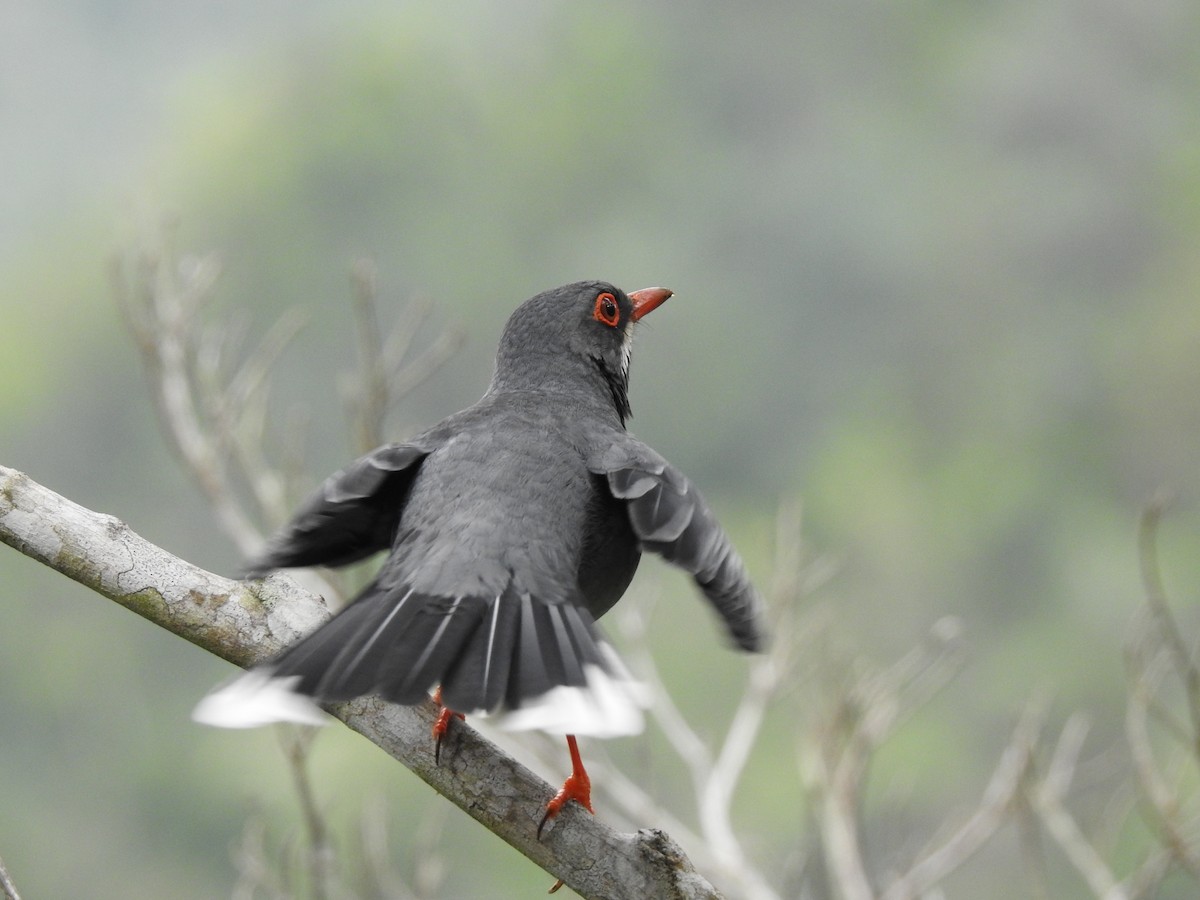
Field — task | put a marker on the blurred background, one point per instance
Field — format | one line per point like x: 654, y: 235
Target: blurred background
x: 936, y: 271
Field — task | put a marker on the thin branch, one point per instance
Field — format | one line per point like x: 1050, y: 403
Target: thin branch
x: 418, y: 369
x: 1163, y: 802
x: 1148, y: 667
x: 1047, y: 798
x: 835, y: 757
x: 158, y: 306
x: 1156, y: 601
x: 255, y: 873
x: 378, y: 869
x: 6, y: 884
x: 245, y: 622
x: 713, y: 781
x: 1145, y: 881
x: 716, y: 798
x: 297, y: 743
x: 833, y: 761
x: 371, y: 402
x: 429, y: 863
x: 767, y: 675
x: 633, y: 620
x: 989, y: 816
x: 910, y: 683
x: 386, y: 371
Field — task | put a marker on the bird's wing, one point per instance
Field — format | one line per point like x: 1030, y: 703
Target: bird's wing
x: 670, y: 518
x: 353, y: 514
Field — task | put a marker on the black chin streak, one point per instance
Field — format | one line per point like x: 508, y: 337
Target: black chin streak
x: 618, y: 387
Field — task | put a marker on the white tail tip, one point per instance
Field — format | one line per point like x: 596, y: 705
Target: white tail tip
x: 258, y: 698
x: 606, y: 707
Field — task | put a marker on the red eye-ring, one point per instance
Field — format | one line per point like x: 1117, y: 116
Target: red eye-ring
x: 606, y: 310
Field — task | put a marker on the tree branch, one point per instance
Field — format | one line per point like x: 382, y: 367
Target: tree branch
x: 991, y: 813
x: 245, y: 622
x: 6, y: 886
x: 1047, y: 798
x: 1169, y: 632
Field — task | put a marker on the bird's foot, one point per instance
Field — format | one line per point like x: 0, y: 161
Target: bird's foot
x: 572, y: 789
x: 441, y: 725
x: 577, y: 787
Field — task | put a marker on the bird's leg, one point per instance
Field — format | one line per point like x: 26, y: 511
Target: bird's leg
x: 441, y: 724
x: 577, y: 787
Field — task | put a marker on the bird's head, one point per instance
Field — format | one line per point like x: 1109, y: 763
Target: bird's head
x: 574, y: 339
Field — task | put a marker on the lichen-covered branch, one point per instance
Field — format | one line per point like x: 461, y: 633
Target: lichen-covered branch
x: 243, y: 622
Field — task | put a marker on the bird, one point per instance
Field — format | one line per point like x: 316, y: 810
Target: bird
x: 510, y: 528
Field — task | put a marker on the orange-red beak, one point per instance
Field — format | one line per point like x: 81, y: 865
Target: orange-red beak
x: 647, y: 300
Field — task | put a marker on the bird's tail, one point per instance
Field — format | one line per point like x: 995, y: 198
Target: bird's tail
x: 537, y: 665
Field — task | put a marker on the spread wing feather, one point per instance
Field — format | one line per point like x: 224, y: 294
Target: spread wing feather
x: 353, y: 514
x: 670, y: 518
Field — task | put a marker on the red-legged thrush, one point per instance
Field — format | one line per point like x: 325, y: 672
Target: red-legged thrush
x: 511, y: 527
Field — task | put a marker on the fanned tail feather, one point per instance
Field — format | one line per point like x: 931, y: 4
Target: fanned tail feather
x: 536, y: 665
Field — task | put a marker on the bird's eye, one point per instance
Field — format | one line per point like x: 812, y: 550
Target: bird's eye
x: 606, y: 310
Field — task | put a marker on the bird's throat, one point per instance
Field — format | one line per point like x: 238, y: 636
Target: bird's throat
x: 618, y: 386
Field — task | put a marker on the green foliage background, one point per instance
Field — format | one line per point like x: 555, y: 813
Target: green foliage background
x: 936, y: 272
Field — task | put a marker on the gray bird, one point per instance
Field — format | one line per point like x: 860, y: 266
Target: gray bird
x: 511, y: 527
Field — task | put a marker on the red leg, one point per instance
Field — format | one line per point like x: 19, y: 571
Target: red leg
x: 441, y: 724
x: 577, y: 787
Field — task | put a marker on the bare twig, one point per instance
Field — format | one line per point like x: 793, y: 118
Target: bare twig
x: 833, y: 778
x: 387, y: 371
x: 213, y: 400
x: 159, y: 300
x: 1162, y: 801
x: 1047, y: 797
x: 239, y: 405
x: 835, y: 755
x: 378, y: 869
x: 250, y: 860
x: 297, y: 743
x: 1144, y: 882
x: 1149, y: 666
x: 1156, y: 601
x: 991, y: 814
x: 429, y: 865
x: 369, y: 399
x: 715, y: 778
x: 6, y: 884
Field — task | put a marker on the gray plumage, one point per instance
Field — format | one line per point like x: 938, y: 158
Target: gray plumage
x: 510, y: 528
